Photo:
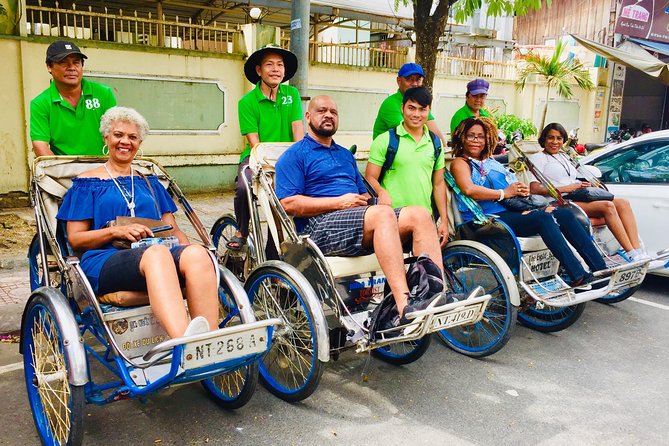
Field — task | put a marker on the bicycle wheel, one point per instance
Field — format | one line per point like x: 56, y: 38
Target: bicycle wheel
x: 618, y: 296
x: 403, y: 352
x: 57, y: 406
x: 234, y: 389
x: 551, y: 319
x: 291, y: 369
x: 35, y: 267
x: 239, y: 262
x: 222, y: 232
x: 467, y: 268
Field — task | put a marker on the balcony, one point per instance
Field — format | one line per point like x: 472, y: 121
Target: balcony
x: 148, y: 29
x: 122, y: 28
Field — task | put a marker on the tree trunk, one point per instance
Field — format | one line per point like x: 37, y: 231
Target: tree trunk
x: 429, y: 28
x: 543, y: 115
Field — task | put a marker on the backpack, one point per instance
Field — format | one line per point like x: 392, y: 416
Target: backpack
x: 393, y: 145
x: 424, y: 281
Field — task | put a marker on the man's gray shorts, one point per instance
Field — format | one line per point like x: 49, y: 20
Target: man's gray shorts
x: 340, y: 233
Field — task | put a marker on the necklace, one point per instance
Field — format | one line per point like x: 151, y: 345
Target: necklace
x: 130, y: 198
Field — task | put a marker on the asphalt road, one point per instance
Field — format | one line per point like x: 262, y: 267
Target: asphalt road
x: 605, y: 380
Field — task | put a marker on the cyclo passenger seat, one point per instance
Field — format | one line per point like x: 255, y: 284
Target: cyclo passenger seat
x: 53, y: 177
x: 263, y: 160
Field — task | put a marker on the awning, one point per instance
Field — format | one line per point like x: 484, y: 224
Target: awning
x: 631, y: 55
x: 658, y: 47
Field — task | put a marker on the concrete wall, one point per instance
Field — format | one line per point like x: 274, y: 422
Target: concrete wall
x: 14, y: 173
x: 206, y: 160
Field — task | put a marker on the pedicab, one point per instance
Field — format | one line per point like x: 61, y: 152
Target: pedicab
x: 65, y: 330
x: 326, y: 302
x: 546, y: 302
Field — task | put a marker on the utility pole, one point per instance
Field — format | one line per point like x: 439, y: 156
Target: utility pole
x: 299, y: 45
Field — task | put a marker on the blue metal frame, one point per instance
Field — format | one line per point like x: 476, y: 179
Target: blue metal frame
x: 88, y: 320
x: 126, y: 388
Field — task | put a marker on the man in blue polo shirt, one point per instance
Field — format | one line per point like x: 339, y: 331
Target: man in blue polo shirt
x: 319, y: 184
x: 65, y: 118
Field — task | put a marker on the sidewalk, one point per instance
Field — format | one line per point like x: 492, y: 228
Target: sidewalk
x: 14, y: 276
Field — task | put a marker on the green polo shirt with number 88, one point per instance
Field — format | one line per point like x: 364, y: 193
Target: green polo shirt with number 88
x: 271, y: 120
x: 68, y: 130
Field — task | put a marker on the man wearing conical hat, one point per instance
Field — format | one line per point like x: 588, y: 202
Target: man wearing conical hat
x: 271, y: 112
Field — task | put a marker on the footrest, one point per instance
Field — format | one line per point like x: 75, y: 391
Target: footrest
x: 429, y: 320
x: 554, y: 292
x: 615, y: 260
x: 219, y: 345
x: 548, y: 288
x: 627, y: 276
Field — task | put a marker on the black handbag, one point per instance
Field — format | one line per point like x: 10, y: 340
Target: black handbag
x: 588, y: 194
x: 522, y: 204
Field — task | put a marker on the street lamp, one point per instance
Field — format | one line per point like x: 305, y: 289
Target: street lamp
x: 255, y: 13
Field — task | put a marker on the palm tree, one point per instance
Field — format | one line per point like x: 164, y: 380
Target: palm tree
x: 557, y: 73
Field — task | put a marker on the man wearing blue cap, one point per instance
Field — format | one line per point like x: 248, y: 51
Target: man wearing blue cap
x: 477, y: 91
x: 390, y: 113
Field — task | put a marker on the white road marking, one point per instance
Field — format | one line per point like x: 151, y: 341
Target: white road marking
x: 652, y: 304
x: 11, y: 367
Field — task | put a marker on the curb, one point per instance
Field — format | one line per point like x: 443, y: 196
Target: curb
x: 16, y: 262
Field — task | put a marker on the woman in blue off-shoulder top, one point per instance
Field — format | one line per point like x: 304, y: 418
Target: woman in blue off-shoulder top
x: 116, y: 189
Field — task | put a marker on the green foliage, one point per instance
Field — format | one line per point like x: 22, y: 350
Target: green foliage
x: 558, y: 74
x: 430, y: 18
x: 509, y: 123
x: 463, y: 9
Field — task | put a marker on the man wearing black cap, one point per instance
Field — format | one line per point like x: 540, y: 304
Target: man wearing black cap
x: 65, y: 118
x: 410, y: 75
x: 477, y: 92
x: 271, y: 112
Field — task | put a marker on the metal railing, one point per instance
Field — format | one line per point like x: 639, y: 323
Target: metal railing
x: 455, y: 66
x: 176, y: 33
x: 356, y: 55
x: 129, y: 29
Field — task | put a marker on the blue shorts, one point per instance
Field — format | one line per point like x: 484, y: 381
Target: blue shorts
x: 121, y: 271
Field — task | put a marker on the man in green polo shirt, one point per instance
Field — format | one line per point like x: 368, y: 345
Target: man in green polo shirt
x: 415, y: 177
x: 477, y: 92
x: 271, y: 112
x: 390, y: 113
x: 65, y: 118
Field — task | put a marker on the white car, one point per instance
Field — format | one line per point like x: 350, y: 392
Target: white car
x: 638, y: 170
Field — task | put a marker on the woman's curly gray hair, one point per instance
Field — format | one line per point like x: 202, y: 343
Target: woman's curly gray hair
x: 123, y: 114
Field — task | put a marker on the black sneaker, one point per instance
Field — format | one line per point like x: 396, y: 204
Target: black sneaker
x: 437, y: 299
x: 450, y: 298
x: 585, y: 283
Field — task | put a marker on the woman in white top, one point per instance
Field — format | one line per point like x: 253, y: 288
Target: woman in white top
x: 557, y: 167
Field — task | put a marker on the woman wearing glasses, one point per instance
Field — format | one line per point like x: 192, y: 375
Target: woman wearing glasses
x: 484, y: 179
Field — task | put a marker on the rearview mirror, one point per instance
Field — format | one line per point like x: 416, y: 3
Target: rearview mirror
x: 594, y: 171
